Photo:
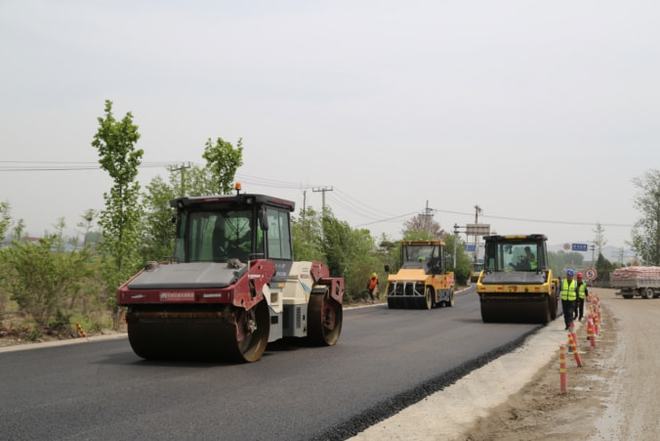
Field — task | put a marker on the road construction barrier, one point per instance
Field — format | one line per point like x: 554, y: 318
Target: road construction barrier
x: 572, y: 343
x: 590, y: 332
x: 571, y: 331
x: 563, y: 380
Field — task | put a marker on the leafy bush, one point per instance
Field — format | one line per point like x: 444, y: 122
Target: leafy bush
x: 39, y: 278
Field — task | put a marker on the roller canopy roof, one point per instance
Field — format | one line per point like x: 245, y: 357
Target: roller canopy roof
x: 240, y: 199
x: 516, y: 237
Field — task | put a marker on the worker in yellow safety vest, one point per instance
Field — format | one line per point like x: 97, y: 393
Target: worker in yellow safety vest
x: 530, y: 260
x: 582, y: 293
x: 568, y: 295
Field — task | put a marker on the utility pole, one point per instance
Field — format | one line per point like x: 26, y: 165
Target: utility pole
x: 304, y: 204
x: 427, y: 218
x: 322, y: 190
x: 477, y: 212
x: 621, y: 252
x: 455, y: 243
x: 593, y: 254
x: 182, y: 168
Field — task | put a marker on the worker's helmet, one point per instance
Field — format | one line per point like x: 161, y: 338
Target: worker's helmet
x: 374, y: 275
x: 579, y: 275
x: 570, y: 272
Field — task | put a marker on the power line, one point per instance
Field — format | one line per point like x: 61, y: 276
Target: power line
x: 344, y: 198
x: 367, y: 207
x: 69, y: 168
x: 517, y: 219
x: 47, y: 162
x: 539, y: 221
x: 334, y: 199
x: 387, y: 219
x: 559, y: 222
x: 357, y: 208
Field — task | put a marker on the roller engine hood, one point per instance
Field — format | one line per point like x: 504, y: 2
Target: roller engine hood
x: 188, y: 275
x: 514, y: 277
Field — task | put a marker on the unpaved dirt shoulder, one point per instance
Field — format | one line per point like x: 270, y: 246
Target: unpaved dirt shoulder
x: 613, y: 398
x: 632, y: 409
x: 449, y: 413
x: 540, y: 413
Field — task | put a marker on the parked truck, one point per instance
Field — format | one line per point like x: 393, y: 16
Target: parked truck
x: 631, y: 281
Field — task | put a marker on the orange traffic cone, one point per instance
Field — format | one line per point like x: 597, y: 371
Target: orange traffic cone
x: 563, y: 380
x: 590, y: 332
x: 573, y: 345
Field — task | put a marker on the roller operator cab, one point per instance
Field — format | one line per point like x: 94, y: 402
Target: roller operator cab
x: 516, y: 283
x: 422, y: 281
x: 233, y: 285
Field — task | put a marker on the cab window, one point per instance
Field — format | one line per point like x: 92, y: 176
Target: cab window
x: 216, y: 236
x: 516, y: 256
x: 279, y: 238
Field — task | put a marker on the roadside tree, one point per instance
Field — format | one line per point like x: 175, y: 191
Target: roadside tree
x: 422, y: 227
x: 306, y: 235
x: 599, y: 237
x: 120, y: 219
x: 5, y: 219
x: 646, y: 232
x: 215, y: 178
x: 222, y: 160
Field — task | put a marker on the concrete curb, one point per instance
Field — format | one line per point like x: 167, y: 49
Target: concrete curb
x: 57, y: 343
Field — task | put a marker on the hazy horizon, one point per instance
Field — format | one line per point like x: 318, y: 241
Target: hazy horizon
x: 541, y: 111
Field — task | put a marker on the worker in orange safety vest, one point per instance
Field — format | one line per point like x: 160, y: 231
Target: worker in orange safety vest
x: 372, y: 287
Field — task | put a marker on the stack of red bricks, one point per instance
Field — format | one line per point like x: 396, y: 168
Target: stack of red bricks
x: 636, y: 273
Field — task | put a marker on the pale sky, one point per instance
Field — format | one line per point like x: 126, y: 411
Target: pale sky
x: 531, y: 109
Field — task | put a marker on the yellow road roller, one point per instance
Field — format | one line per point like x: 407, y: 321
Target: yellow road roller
x: 423, y: 281
x: 517, y: 284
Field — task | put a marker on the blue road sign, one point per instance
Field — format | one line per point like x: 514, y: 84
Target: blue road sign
x: 470, y: 247
x: 579, y: 247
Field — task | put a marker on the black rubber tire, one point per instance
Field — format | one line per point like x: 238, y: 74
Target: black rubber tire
x: 253, y: 348
x: 450, y: 302
x: 552, y: 298
x: 627, y: 296
x: 487, y: 315
x: 324, y: 318
x: 428, y: 298
x: 648, y: 293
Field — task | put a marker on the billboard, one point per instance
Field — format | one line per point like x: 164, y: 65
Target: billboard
x: 477, y: 229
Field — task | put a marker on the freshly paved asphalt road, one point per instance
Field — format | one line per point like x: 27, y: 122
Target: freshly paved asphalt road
x: 102, y: 391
